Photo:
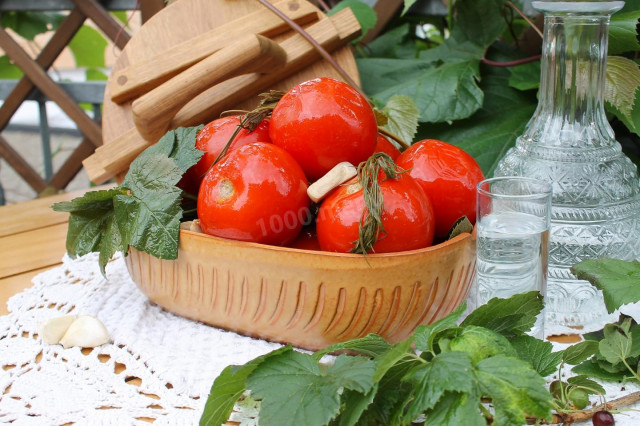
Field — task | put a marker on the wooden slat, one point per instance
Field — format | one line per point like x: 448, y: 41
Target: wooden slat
x: 72, y: 165
x: 35, y: 214
x: 65, y: 32
x: 59, y: 5
x: 41, y: 79
x: 31, y: 250
x: 104, y: 21
x: 21, y: 166
x: 148, y: 8
x: 14, y: 285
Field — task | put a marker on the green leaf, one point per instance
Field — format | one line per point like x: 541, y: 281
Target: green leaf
x: 391, y: 357
x: 623, y: 32
x: 380, y: 74
x: 355, y: 403
x: 446, y: 93
x: 511, y: 317
x: 592, y: 369
x: 364, y: 13
x: 580, y: 352
x: 371, y: 345
x: 480, y: 343
x: 448, y: 371
x: 8, y: 70
x: 461, y: 226
x: 618, y: 279
x: 88, y: 48
x: 120, y: 16
x: 95, y: 74
x: 538, y: 353
x: 590, y: 386
x: 228, y: 387
x: 407, y: 6
x: 426, y: 334
x: 149, y: 219
x: 395, y: 43
x: 455, y: 409
x: 179, y: 145
x: 402, y: 117
x: 307, y: 393
x: 633, y: 122
x: 622, y: 81
x: 526, y: 76
x: 515, y: 388
x: 456, y: 48
x: 490, y: 132
x: 92, y: 225
x: 616, y: 345
x: 29, y: 24
x: 480, y: 20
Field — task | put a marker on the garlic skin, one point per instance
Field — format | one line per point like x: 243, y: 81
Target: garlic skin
x: 53, y: 330
x: 86, y: 332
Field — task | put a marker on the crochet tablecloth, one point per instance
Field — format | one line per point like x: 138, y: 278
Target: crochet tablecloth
x: 158, y: 366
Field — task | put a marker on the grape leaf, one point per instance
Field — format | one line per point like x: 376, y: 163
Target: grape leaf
x: 616, y: 345
x: 618, y: 279
x: 426, y: 334
x: 480, y: 20
x: 592, y: 369
x: 370, y: 345
x: 355, y: 403
x: 491, y: 131
x: 456, y: 48
x: 228, y: 387
x: 365, y: 15
x: 380, y: 74
x: 455, y: 409
x: 448, y: 371
x: 395, y: 43
x: 307, y: 393
x: 623, y: 33
x: 538, y: 353
x: 88, y: 47
x: 402, y: 117
x: 580, y: 352
x: 590, y: 386
x: 480, y: 343
x: 143, y: 212
x: 387, y: 360
x: 526, y: 76
x: 622, y: 81
x: 515, y: 387
x: 511, y: 317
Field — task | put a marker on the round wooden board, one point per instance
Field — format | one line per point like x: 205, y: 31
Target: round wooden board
x: 182, y: 20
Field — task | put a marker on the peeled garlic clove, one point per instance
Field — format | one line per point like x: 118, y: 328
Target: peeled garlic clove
x: 335, y: 177
x: 86, y: 332
x: 53, y: 330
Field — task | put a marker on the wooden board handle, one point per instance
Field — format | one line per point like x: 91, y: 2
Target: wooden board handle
x: 153, y: 112
x: 140, y: 77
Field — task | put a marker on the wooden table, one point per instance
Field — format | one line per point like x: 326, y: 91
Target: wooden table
x: 32, y: 240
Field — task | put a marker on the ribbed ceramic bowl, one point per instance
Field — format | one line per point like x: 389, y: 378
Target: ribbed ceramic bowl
x: 310, y: 299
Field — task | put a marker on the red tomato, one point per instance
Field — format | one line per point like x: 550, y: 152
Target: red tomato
x: 212, y: 139
x: 384, y: 145
x: 449, y: 177
x: 323, y: 122
x: 256, y: 193
x: 407, y: 217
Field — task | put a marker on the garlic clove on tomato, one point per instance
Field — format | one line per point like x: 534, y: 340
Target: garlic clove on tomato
x: 335, y: 177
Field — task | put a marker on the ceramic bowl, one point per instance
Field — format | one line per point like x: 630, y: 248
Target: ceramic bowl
x: 310, y: 299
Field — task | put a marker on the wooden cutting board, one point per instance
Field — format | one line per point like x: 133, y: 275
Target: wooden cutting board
x: 183, y: 20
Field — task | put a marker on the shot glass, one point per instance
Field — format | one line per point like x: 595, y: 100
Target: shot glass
x: 512, y: 245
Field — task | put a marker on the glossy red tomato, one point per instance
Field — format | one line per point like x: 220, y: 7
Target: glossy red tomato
x: 384, y: 145
x: 212, y: 138
x: 323, y: 122
x: 407, y: 217
x: 256, y: 193
x: 449, y: 177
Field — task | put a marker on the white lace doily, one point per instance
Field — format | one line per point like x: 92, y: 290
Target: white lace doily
x: 158, y: 366
x: 176, y: 359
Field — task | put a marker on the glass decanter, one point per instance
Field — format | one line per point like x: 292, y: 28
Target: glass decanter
x: 569, y: 143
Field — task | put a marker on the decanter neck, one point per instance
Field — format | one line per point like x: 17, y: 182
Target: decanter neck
x: 572, y: 82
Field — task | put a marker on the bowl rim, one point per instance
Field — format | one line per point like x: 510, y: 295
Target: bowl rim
x: 278, y: 249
